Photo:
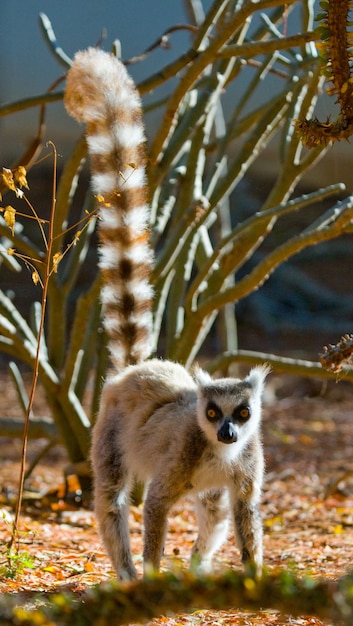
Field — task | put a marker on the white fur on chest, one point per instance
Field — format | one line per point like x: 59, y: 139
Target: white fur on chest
x: 217, y: 468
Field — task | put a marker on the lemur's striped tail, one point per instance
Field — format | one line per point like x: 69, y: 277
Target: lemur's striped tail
x: 100, y: 93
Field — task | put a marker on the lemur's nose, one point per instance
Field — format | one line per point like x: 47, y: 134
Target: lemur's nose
x: 227, y: 433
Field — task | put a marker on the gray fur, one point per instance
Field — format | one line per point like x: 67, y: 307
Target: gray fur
x: 152, y: 427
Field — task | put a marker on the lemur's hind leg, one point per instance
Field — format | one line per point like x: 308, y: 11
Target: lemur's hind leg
x: 159, y: 500
x: 212, y: 510
x: 111, y: 504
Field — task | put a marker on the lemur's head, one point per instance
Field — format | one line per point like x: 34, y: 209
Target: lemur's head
x: 229, y: 409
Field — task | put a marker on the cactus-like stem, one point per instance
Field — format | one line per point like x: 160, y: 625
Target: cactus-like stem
x: 336, y: 56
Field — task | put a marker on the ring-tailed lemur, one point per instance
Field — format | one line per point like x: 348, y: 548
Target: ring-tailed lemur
x: 180, y: 433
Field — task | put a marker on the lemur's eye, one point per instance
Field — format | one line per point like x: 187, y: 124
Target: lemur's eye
x: 242, y: 413
x: 213, y: 413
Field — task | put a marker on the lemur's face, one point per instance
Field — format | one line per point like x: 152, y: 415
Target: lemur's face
x: 227, y: 420
x: 228, y: 410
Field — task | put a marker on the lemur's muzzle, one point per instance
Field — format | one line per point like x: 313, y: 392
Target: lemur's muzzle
x: 227, y: 432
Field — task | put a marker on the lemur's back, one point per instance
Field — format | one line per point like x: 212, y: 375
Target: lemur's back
x: 150, y: 384
x: 141, y: 403
x: 148, y: 411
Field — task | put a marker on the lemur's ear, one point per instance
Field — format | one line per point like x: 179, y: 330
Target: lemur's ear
x: 201, y: 377
x: 257, y: 375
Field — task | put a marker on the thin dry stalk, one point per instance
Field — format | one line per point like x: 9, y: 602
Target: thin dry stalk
x: 47, y: 272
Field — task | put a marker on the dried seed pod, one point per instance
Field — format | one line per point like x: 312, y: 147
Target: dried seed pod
x: 336, y: 357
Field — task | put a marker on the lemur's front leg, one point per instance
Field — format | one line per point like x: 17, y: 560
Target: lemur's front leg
x: 249, y: 532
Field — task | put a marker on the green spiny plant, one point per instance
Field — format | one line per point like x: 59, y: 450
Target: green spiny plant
x: 335, y: 50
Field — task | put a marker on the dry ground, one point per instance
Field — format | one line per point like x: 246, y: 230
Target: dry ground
x: 308, y: 519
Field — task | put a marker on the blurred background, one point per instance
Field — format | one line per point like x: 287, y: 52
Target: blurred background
x: 29, y: 68
x: 313, y: 293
